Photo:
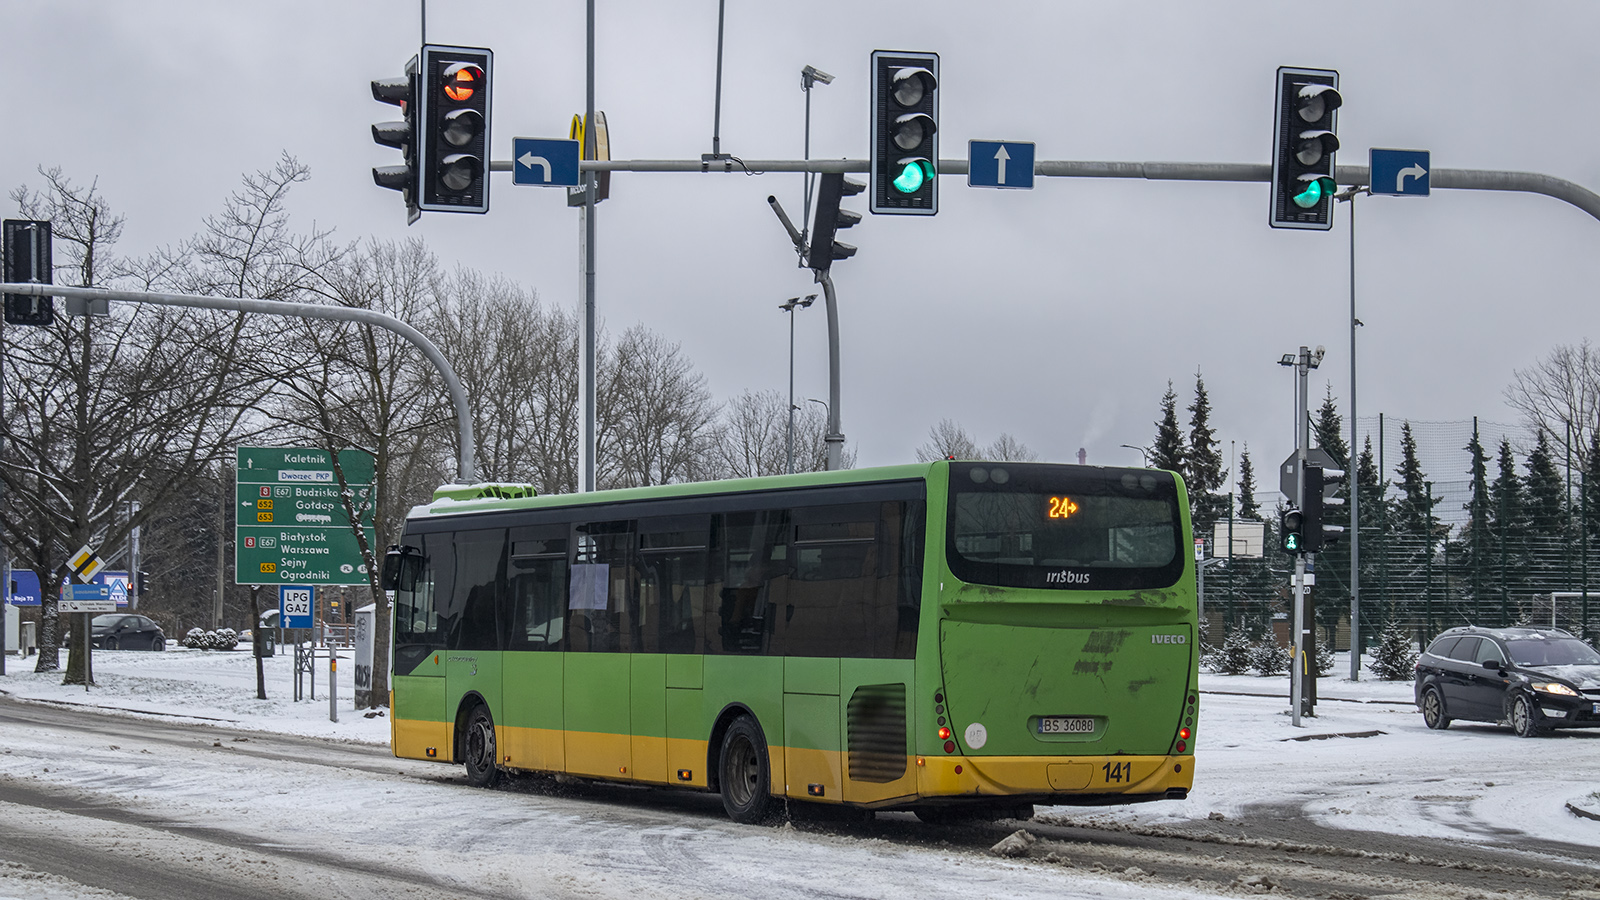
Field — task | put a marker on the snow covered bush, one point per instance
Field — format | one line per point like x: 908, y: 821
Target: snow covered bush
x: 1234, y: 657
x: 1269, y: 657
x: 1395, y: 657
x: 1324, y: 658
x: 225, y: 639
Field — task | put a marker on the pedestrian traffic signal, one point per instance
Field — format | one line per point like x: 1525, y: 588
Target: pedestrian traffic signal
x: 905, y: 133
x: 830, y: 218
x: 401, y: 135
x: 1320, y: 487
x: 453, y: 119
x: 27, y: 259
x: 1303, y: 184
x: 1290, y: 531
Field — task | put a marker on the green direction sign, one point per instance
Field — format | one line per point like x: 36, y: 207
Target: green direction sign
x: 292, y: 524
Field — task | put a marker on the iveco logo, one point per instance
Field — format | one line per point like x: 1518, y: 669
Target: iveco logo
x: 1066, y: 577
x: 1168, y: 639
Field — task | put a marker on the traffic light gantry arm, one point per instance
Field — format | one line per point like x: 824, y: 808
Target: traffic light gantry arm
x: 1447, y: 179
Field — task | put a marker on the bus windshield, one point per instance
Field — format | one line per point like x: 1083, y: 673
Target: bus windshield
x: 1059, y: 527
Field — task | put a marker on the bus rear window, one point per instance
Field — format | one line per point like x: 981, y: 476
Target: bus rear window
x: 1064, y: 527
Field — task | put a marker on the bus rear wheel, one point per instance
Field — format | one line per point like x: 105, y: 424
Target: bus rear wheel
x: 745, y: 775
x: 478, y: 748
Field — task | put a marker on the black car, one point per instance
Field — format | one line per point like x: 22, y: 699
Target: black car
x: 125, y: 631
x: 1533, y: 679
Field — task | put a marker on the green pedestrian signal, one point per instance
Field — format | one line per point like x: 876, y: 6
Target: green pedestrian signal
x: 1290, y: 528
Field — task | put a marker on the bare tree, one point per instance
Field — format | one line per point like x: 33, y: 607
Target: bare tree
x: 1561, y: 391
x: 100, y: 410
x: 366, y: 388
x: 753, y: 437
x: 655, y: 414
x: 947, y: 440
x: 1008, y: 449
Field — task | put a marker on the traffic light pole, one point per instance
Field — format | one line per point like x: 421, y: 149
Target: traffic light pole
x: 1302, y: 443
x: 835, y: 437
x: 458, y: 394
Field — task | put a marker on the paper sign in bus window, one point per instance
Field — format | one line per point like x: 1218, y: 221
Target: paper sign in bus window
x: 590, y: 582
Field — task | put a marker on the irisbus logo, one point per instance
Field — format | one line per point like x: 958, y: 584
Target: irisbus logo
x: 1066, y: 576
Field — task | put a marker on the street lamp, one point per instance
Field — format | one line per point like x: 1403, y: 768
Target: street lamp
x: 1143, y: 451
x: 788, y: 306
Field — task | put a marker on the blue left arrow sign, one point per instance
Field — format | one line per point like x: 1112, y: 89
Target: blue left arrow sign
x: 544, y: 162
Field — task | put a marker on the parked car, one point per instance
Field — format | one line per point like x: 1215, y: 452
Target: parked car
x: 125, y: 631
x: 1533, y: 679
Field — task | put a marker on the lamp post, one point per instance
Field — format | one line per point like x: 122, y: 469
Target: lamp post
x: 788, y: 306
x: 1143, y: 451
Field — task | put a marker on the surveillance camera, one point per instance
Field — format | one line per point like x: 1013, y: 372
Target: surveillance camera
x: 812, y: 73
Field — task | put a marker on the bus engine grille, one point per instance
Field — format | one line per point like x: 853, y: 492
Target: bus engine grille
x: 877, y: 732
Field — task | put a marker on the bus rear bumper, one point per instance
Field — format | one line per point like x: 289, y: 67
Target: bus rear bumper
x: 1057, y: 779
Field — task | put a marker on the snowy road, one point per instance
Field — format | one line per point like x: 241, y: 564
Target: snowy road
x: 172, y: 806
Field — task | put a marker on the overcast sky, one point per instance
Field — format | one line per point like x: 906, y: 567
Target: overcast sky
x: 1057, y: 315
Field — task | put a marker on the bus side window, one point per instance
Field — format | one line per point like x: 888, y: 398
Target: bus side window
x: 416, y: 619
x: 830, y: 609
x: 672, y: 588
x: 912, y: 540
x: 755, y: 578
x: 538, y: 583
x: 602, y: 606
x: 480, y: 580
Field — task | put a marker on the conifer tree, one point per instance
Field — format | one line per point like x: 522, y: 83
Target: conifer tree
x: 1248, y: 507
x: 1328, y: 430
x: 1590, y: 491
x: 1505, y: 512
x: 1395, y: 657
x: 1476, y: 536
x: 1414, y: 512
x: 1234, y: 658
x: 1169, y: 451
x: 1546, y: 496
x: 1205, y: 474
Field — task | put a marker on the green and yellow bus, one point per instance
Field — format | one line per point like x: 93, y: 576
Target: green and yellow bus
x: 956, y: 638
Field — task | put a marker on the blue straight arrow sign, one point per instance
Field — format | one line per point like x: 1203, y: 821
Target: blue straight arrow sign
x: 544, y: 162
x: 1399, y: 173
x: 1000, y: 164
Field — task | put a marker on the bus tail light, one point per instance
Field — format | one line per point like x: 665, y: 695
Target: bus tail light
x: 944, y: 734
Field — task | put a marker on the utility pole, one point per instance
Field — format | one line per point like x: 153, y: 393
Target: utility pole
x: 1303, y: 618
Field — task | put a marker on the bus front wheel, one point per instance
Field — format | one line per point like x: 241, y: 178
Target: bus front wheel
x: 478, y: 748
x: 745, y: 774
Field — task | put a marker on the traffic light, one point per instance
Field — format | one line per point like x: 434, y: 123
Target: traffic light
x: 1304, y: 143
x: 905, y: 133
x: 1321, y: 485
x: 1290, y: 531
x: 401, y: 135
x: 830, y: 218
x: 453, y: 118
x: 26, y: 248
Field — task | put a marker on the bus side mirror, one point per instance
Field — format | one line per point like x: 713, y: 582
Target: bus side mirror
x: 400, y: 568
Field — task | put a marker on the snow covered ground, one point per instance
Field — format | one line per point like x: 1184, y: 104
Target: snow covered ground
x: 1476, y: 783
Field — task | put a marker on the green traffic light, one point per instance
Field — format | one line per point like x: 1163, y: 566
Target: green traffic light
x: 1315, y: 190
x: 1291, y: 542
x: 910, y: 179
